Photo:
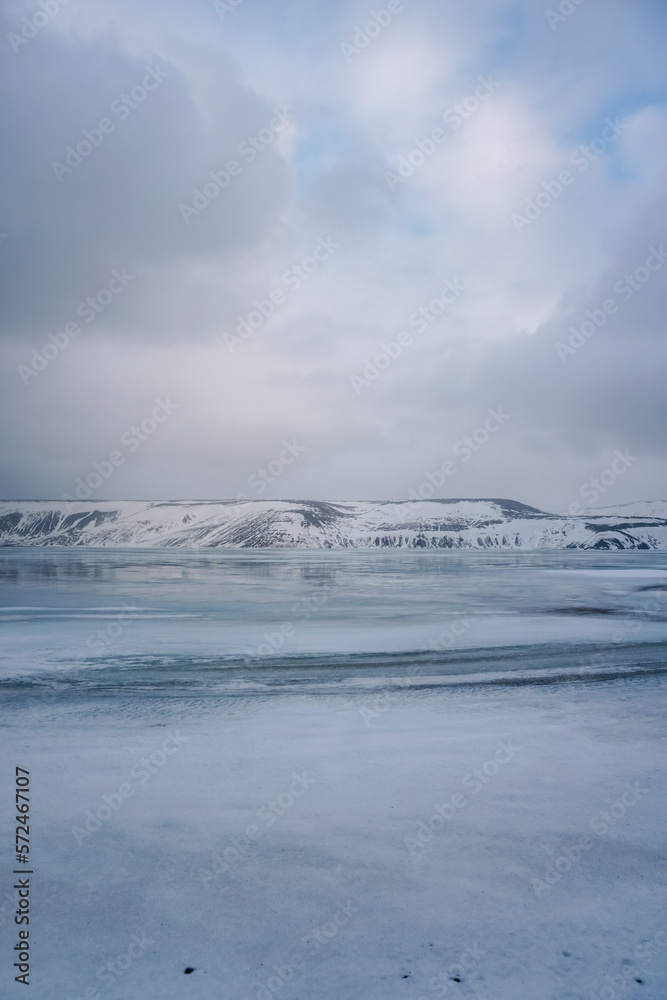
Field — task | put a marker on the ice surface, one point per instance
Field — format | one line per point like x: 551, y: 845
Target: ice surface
x: 337, y: 750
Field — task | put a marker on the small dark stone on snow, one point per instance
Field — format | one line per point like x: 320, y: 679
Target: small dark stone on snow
x: 639, y: 980
x: 456, y: 979
x: 189, y: 970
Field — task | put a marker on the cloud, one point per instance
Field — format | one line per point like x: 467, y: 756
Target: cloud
x: 314, y: 137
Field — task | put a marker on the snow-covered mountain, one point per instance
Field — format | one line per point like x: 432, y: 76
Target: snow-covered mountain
x: 427, y: 524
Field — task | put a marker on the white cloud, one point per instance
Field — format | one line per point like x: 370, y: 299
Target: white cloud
x: 323, y: 175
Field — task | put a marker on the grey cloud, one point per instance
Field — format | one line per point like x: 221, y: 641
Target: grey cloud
x: 120, y: 205
x: 497, y: 346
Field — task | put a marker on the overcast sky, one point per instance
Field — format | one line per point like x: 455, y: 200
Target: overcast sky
x: 455, y: 184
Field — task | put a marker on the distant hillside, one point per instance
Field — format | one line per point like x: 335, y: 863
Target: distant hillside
x: 427, y: 524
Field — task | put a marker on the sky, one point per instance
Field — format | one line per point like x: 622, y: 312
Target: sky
x: 330, y: 250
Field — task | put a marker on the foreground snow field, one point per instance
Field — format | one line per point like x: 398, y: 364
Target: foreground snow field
x: 338, y: 775
x: 300, y: 847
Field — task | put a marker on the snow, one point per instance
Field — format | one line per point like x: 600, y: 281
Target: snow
x: 318, y: 524
x: 149, y: 870
x: 363, y: 813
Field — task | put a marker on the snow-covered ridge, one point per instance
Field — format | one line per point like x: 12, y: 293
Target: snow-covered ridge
x: 470, y: 524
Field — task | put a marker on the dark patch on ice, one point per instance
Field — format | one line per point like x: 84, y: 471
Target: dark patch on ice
x: 140, y: 676
x: 639, y: 980
x: 456, y: 979
x: 406, y: 975
x: 585, y: 611
x: 188, y: 970
x: 566, y: 954
x: 655, y: 586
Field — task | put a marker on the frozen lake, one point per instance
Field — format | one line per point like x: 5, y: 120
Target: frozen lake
x: 339, y: 774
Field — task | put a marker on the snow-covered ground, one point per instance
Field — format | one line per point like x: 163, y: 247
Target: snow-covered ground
x: 391, y: 804
x: 377, y: 853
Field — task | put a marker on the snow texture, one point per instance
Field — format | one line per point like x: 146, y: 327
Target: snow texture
x: 439, y: 524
